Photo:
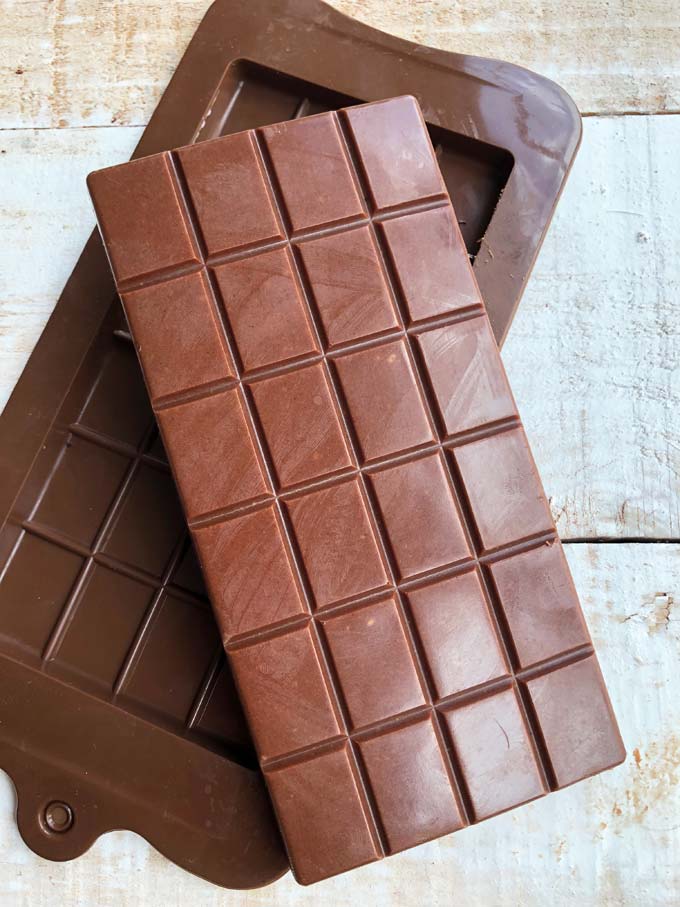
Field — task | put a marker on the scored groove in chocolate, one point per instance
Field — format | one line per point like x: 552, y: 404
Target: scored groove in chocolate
x: 330, y: 736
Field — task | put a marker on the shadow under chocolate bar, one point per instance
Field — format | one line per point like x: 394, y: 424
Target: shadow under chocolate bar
x: 105, y: 630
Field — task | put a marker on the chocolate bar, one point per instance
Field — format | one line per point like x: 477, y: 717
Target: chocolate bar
x: 378, y: 550
x: 81, y: 400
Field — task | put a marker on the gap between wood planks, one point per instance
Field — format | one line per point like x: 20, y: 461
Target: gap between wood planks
x: 608, y: 114
x: 620, y: 540
x: 613, y: 114
x: 73, y: 128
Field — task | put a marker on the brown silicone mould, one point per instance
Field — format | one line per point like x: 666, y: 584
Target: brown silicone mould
x: 117, y: 709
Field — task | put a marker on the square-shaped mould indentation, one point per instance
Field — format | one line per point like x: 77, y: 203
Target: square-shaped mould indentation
x: 132, y: 540
x: 251, y: 95
x: 35, y: 586
x: 253, y: 583
x: 265, y: 309
x: 118, y: 403
x: 178, y: 647
x: 101, y: 628
x: 383, y: 398
x: 313, y: 172
x: 130, y: 204
x: 301, y: 425
x: 395, y: 152
x: 337, y: 542
x: 172, y: 322
x: 188, y: 575
x: 349, y: 287
x: 228, y: 190
x: 361, y: 640
x: 422, y: 520
x: 503, y: 488
x: 457, y: 633
x: 540, y: 603
x: 81, y: 489
x: 475, y: 174
x: 431, y: 263
x: 467, y: 375
x: 321, y: 813
x: 213, y: 453
x: 492, y: 744
x: 221, y: 717
x: 156, y: 450
x: 411, y: 786
x: 284, y: 693
x: 576, y: 720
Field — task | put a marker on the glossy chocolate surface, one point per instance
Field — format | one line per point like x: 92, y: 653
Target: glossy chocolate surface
x: 505, y: 139
x: 351, y: 499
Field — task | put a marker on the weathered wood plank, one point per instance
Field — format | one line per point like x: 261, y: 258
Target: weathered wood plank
x: 612, y: 841
x: 45, y: 219
x: 593, y: 355
x: 91, y: 62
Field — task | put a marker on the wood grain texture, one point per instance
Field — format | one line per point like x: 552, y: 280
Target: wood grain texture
x: 611, y: 841
x: 93, y: 62
x: 593, y: 355
x: 45, y: 219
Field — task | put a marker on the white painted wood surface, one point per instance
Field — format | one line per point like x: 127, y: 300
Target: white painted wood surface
x: 45, y: 219
x: 97, y: 62
x: 594, y: 360
x: 594, y: 353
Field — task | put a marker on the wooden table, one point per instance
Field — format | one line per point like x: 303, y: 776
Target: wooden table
x: 594, y: 357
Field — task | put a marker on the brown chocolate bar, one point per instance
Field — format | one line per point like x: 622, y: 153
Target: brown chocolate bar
x: 81, y: 409
x: 358, y: 484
